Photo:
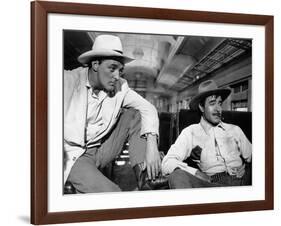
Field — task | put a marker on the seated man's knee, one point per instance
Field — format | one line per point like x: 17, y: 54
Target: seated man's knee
x: 130, y: 112
x: 179, y: 179
x: 131, y: 117
x: 134, y: 118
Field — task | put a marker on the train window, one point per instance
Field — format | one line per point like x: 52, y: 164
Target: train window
x: 244, y: 86
x: 241, y: 105
x: 240, y: 96
x: 237, y: 89
x: 240, y: 87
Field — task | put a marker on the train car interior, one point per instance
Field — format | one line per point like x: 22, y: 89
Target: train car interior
x: 167, y: 71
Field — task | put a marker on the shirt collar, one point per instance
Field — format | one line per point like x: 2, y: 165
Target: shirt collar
x: 207, y: 126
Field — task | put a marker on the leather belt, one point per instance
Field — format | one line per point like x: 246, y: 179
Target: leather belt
x: 218, y: 176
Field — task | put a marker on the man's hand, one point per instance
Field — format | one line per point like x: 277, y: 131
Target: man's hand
x: 203, y: 176
x: 152, y: 157
x: 239, y: 171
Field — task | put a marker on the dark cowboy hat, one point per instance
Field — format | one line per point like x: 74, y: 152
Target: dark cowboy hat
x: 105, y: 46
x: 205, y: 89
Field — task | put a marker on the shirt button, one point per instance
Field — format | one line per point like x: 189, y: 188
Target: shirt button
x: 74, y: 158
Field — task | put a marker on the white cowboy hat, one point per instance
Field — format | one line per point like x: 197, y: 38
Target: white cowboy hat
x: 205, y: 89
x: 105, y: 46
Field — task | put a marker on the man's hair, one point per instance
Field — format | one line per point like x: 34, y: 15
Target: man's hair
x: 203, y: 101
x: 101, y: 59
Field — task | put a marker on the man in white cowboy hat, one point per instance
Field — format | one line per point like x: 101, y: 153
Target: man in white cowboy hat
x: 220, y: 150
x: 95, y: 124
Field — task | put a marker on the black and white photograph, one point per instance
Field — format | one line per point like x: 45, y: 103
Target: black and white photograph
x: 140, y: 112
x: 145, y: 112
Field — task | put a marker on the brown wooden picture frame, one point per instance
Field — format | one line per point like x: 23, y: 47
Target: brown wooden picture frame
x: 39, y: 112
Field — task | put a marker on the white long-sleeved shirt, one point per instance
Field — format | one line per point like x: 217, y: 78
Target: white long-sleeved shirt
x: 94, y: 123
x: 218, y: 149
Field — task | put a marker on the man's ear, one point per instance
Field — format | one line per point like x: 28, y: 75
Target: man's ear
x: 201, y: 107
x: 95, y: 65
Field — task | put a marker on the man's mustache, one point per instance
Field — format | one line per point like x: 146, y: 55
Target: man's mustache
x: 217, y: 114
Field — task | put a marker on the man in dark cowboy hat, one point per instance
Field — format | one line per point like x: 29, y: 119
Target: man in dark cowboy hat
x: 219, y: 149
x: 96, y: 126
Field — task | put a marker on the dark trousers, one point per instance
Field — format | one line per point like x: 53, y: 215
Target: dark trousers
x: 182, y: 179
x: 86, y: 175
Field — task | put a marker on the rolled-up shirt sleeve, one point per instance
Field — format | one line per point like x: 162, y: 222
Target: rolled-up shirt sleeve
x: 149, y: 115
x: 244, y: 145
x: 178, y: 152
